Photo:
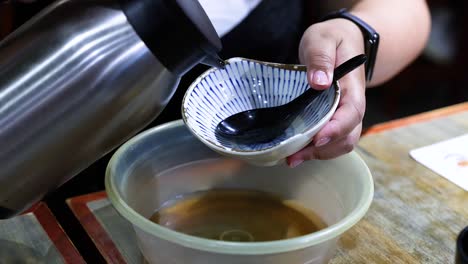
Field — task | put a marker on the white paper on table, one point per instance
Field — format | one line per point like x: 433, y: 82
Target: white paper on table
x: 448, y: 158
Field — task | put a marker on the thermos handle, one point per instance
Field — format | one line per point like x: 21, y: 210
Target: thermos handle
x: 178, y: 32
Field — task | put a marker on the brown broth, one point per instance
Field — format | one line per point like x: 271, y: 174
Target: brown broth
x: 237, y: 215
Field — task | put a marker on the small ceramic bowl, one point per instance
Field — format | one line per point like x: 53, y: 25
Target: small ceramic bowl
x: 247, y: 84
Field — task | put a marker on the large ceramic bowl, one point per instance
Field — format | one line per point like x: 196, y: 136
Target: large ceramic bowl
x: 248, y: 84
x: 168, y: 161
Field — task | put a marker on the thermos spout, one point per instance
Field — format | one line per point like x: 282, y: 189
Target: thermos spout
x: 214, y: 61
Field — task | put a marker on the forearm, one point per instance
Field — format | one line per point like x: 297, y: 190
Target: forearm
x: 403, y: 27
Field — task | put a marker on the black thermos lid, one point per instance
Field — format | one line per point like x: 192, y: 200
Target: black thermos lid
x: 178, y: 32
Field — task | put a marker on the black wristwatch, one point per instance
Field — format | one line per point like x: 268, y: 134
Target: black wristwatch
x: 371, y: 38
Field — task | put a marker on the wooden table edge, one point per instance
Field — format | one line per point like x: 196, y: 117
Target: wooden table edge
x: 56, y: 233
x: 94, y: 229
x: 433, y: 114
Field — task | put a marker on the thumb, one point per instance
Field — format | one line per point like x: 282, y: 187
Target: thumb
x: 319, y: 54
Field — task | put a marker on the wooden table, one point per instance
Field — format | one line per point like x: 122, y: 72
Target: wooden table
x: 416, y: 214
x: 414, y: 218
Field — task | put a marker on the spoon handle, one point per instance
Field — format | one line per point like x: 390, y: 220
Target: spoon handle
x: 348, y: 66
x: 340, y: 71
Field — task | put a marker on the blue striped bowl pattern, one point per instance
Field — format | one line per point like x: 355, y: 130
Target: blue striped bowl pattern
x: 247, y: 84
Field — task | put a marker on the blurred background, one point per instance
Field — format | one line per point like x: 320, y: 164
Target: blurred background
x: 436, y: 79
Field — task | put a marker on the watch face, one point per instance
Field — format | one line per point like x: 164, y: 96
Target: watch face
x: 373, y: 46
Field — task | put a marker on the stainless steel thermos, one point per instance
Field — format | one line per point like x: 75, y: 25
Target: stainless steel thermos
x: 83, y: 76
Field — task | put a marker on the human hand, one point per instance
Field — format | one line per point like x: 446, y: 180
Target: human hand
x: 323, y: 47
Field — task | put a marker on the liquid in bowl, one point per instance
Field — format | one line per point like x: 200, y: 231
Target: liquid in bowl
x: 237, y: 215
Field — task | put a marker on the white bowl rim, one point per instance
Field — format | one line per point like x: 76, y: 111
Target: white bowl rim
x: 222, y: 247
x: 266, y: 151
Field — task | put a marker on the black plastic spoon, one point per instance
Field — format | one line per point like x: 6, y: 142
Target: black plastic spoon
x: 265, y: 124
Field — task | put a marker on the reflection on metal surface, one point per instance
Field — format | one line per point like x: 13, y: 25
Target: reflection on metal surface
x: 76, y: 82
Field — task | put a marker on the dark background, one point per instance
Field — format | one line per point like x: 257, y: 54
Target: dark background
x: 436, y: 79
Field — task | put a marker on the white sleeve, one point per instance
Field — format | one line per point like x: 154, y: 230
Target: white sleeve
x: 227, y: 14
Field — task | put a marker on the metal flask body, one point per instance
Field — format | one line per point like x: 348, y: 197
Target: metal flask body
x: 76, y: 81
